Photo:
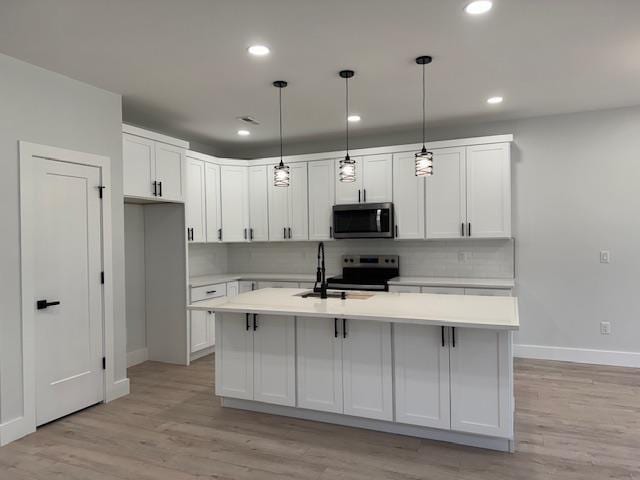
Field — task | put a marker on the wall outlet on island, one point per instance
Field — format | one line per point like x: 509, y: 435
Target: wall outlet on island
x: 605, y: 328
x: 605, y: 256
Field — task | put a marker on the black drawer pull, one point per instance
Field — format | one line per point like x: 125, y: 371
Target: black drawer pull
x: 442, y: 333
x: 42, y: 304
x: 209, y: 292
x: 335, y: 328
x: 246, y: 320
x: 453, y: 337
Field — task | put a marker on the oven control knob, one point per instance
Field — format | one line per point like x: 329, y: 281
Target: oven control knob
x: 346, y: 260
x: 393, y: 260
x: 386, y: 260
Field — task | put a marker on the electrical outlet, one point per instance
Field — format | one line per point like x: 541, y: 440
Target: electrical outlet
x: 464, y: 257
x: 605, y: 328
x: 605, y: 256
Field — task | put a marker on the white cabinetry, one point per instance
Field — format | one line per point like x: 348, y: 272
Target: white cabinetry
x: 200, y: 335
x: 195, y: 200
x: 235, y: 200
x: 213, y: 202
x: 202, y: 323
x: 288, y: 209
x: 446, y: 194
x: 151, y: 169
x: 258, y: 204
x: 422, y: 375
x: 246, y: 286
x: 481, y: 372
x: 321, y: 199
x: 373, y: 183
x: 234, y: 356
x: 408, y: 198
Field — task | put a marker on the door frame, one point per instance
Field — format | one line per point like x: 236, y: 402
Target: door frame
x: 27, y: 151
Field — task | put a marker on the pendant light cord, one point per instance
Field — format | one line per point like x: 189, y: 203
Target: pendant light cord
x: 346, y: 117
x: 424, y: 101
x: 280, y: 104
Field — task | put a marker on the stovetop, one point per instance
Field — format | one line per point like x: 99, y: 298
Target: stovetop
x: 366, y: 272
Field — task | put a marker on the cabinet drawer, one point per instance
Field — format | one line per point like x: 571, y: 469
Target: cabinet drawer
x: 488, y: 292
x: 208, y: 291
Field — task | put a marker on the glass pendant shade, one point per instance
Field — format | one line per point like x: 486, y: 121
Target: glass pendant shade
x: 347, y: 170
x: 424, y: 163
x: 281, y: 175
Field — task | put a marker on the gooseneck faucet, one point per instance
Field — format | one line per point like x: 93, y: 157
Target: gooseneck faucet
x: 321, y: 273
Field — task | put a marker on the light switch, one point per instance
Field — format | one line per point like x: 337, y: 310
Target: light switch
x: 605, y: 256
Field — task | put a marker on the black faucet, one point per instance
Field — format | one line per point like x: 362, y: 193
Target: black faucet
x: 321, y: 273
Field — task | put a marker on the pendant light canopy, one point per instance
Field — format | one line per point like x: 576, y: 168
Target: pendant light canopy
x: 281, y: 171
x: 424, y: 159
x: 347, y: 169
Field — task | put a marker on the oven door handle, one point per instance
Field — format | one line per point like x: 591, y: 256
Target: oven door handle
x: 378, y: 214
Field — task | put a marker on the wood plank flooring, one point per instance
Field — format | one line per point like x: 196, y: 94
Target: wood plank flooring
x: 572, y: 422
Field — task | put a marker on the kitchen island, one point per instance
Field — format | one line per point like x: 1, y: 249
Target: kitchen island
x: 426, y: 365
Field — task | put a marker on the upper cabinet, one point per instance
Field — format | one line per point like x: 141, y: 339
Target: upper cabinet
x: 213, y: 202
x: 195, y: 200
x: 153, y: 165
x: 322, y: 197
x: 408, y: 198
x: 374, y: 182
x: 258, y: 206
x: 288, y: 209
x: 235, y: 203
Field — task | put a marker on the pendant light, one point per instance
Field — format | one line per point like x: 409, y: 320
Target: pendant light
x: 347, y: 169
x: 424, y: 159
x: 281, y: 171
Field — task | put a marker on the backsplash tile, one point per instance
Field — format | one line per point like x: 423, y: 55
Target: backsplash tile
x: 208, y: 258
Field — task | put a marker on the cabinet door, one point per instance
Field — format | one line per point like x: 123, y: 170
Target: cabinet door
x: 481, y: 389
x: 319, y: 351
x: 211, y: 329
x: 349, y: 192
x: 235, y: 200
x: 489, y: 191
x: 367, y: 378
x: 169, y: 168
x: 378, y: 180
x: 138, y: 165
x: 199, y: 335
x: 278, y: 212
x: 421, y: 375
x: 233, y: 289
x: 195, y: 199
x: 258, y: 204
x: 298, y: 203
x: 246, y: 286
x: 234, y: 356
x: 322, y: 193
x: 274, y: 359
x: 408, y: 197
x: 213, y: 202
x: 446, y: 207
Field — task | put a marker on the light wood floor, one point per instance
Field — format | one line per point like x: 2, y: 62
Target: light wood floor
x: 573, y: 422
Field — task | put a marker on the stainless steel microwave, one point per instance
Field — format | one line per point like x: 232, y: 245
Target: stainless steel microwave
x: 363, y: 220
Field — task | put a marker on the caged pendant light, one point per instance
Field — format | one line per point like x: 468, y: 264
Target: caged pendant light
x: 424, y: 158
x: 347, y: 168
x: 281, y: 171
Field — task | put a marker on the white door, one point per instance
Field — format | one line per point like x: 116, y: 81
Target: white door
x: 322, y: 194
x: 319, y: 360
x: 408, y: 197
x: 199, y: 330
x: 234, y: 356
x: 378, y: 181
x: 138, y: 165
x: 67, y: 267
x: 298, y: 203
x: 274, y: 359
x: 480, y: 382
x: 367, y: 377
x: 349, y: 192
x: 213, y: 207
x: 489, y: 191
x: 258, y: 204
x: 169, y: 167
x: 446, y: 195
x: 195, y: 200
x: 278, y: 212
x: 421, y: 375
x: 235, y: 203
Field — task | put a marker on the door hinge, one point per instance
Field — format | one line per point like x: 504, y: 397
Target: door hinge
x: 100, y: 189
x: 104, y: 363
x: 102, y: 278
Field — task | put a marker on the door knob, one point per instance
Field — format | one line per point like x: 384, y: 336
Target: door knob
x: 42, y: 304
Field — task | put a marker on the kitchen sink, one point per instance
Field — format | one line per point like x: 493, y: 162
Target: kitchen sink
x: 341, y: 295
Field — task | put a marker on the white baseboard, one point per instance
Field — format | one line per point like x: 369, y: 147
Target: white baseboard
x: 15, y: 429
x: 137, y: 356
x: 578, y: 355
x: 120, y: 388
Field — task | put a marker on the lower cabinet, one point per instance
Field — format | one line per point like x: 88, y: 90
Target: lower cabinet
x: 234, y: 356
x: 200, y: 330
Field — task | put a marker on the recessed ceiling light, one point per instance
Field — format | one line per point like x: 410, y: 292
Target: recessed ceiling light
x: 478, y: 7
x: 353, y: 118
x: 244, y: 133
x: 259, y: 50
x: 494, y: 100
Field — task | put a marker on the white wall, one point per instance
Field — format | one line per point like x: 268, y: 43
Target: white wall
x: 43, y: 107
x: 207, y: 258
x: 135, y: 277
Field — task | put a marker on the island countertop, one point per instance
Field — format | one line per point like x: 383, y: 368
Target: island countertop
x: 417, y: 308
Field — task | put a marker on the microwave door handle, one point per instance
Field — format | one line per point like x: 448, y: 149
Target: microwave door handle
x: 378, y: 225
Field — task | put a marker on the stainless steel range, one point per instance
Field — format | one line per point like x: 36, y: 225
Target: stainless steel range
x: 366, y: 272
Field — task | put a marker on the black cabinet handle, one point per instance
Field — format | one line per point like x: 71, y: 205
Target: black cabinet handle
x: 358, y: 195
x: 219, y: 234
x: 396, y: 231
x: 209, y: 292
x: 469, y: 229
x: 442, y: 334
x: 284, y: 232
x: 330, y: 232
x: 160, y: 189
x: 155, y: 189
x: 344, y: 328
x: 335, y: 328
x: 255, y: 322
x: 289, y: 233
x: 245, y: 233
x: 462, y: 229
x: 42, y: 304
x: 251, y: 234
x: 364, y: 195
x: 246, y: 321
x: 453, y: 337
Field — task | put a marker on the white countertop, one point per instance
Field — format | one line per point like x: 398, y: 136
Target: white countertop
x: 418, y: 308
x: 454, y: 282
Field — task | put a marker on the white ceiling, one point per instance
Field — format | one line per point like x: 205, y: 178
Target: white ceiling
x: 182, y: 66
